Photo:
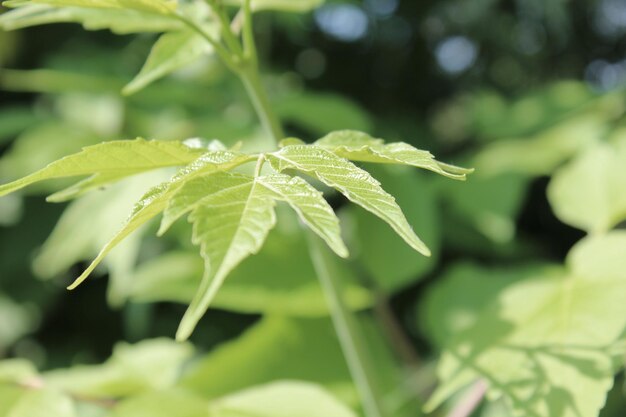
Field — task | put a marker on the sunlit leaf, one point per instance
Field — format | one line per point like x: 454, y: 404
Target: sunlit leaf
x: 281, y: 399
x: 171, y: 52
x: 229, y: 224
x: 129, y: 157
x: 164, y: 7
x: 588, y: 193
x: 359, y: 146
x: 120, y: 21
x: 162, y: 404
x: 356, y: 184
x: 131, y: 370
x: 20, y: 402
x: 310, y: 205
x: 539, y: 345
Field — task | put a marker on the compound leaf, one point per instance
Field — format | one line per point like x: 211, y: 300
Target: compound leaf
x: 356, y: 184
x: 117, y: 158
x: 229, y: 225
x: 120, y: 21
x: 359, y: 146
x: 310, y: 205
x: 171, y: 52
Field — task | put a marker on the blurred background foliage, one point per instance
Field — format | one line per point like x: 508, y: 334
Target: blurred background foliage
x: 528, y: 92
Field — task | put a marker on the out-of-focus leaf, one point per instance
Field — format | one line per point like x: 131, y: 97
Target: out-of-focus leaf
x: 456, y: 301
x: 541, y: 153
x: 14, y: 120
x: 489, y: 204
x: 16, y: 371
x: 20, y: 402
x: 281, y: 5
x: 322, y: 113
x: 132, y: 369
x: 120, y: 21
x: 15, y: 321
x: 588, y: 193
x: 172, y: 51
x: 356, y: 184
x: 281, y: 399
x: 163, y: 404
x: 162, y: 7
x: 383, y: 254
x: 359, y: 146
x: 538, y: 344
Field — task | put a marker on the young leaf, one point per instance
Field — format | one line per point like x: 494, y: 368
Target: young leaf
x: 229, y: 225
x: 163, y: 7
x: 538, y: 345
x: 359, y: 146
x: 310, y: 205
x: 120, y: 21
x: 356, y: 184
x: 157, y: 198
x: 123, y: 158
x: 171, y: 52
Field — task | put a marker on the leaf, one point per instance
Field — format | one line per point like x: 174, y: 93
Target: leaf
x: 119, y: 21
x: 379, y: 250
x: 16, y: 402
x: 163, y: 7
x: 162, y: 404
x: 281, y: 5
x: 359, y: 146
x: 279, y: 280
x: 310, y: 205
x: 588, y: 192
x: 171, y: 52
x: 281, y: 399
x: 356, y: 184
x: 126, y: 156
x: 156, y: 199
x: 540, y: 345
x: 132, y: 369
x: 322, y: 113
x: 229, y: 224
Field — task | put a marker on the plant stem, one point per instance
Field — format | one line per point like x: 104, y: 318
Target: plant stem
x: 250, y: 77
x: 350, y: 338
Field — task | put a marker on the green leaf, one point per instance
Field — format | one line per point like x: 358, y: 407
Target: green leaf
x: 356, y: 184
x: 162, y: 404
x: 156, y: 199
x: 163, y: 7
x: 120, y: 21
x: 229, y: 224
x: 281, y: 5
x: 278, y: 280
x: 310, y: 205
x: 281, y: 399
x: 129, y: 157
x: 172, y: 51
x: 540, y: 344
x: 16, y: 402
x: 359, y: 146
x: 132, y: 369
x: 382, y: 253
x: 588, y: 193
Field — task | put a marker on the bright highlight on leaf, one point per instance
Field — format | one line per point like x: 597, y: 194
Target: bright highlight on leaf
x: 164, y: 7
x: 359, y: 146
x: 353, y: 182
